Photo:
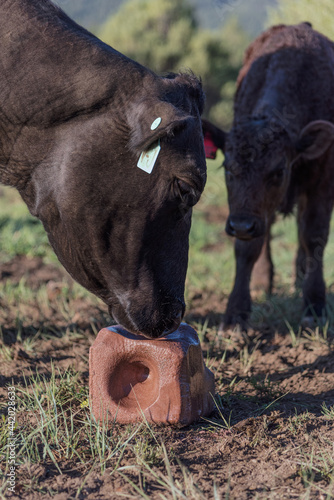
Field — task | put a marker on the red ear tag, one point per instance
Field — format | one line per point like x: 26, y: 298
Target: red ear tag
x: 209, y: 147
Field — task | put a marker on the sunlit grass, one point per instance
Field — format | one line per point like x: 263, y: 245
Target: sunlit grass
x: 56, y: 426
x: 54, y: 419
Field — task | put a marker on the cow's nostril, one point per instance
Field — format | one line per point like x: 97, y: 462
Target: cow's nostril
x: 174, y: 322
x: 241, y: 227
x: 232, y: 225
x: 178, y: 317
x: 249, y: 226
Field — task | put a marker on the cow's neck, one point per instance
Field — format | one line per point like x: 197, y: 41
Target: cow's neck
x: 51, y: 71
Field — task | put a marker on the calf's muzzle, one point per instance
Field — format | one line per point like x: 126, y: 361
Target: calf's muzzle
x: 245, y: 227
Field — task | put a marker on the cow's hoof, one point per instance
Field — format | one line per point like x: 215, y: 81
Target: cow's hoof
x: 229, y: 332
x: 312, y: 322
x: 234, y: 322
x: 308, y: 322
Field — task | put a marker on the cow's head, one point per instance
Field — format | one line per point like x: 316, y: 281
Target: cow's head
x: 118, y: 222
x: 260, y: 156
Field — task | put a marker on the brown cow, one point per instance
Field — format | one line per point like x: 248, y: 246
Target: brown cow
x: 279, y: 154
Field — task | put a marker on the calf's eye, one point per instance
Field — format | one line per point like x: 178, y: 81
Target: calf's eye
x: 276, y: 177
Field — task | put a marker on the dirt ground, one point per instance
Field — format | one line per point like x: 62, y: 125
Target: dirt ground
x: 270, y: 438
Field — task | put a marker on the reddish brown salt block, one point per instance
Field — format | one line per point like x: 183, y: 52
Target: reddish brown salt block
x: 164, y: 380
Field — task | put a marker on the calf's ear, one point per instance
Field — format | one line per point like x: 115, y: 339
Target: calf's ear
x: 214, y: 138
x: 314, y: 140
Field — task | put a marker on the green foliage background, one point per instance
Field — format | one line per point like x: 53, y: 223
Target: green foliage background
x: 319, y: 12
x: 207, y: 36
x: 211, y: 14
x: 165, y: 35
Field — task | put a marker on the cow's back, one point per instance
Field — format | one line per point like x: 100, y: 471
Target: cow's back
x: 52, y: 66
x: 287, y: 66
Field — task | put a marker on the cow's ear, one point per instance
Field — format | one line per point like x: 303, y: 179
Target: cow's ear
x: 315, y: 139
x: 152, y: 120
x: 214, y: 138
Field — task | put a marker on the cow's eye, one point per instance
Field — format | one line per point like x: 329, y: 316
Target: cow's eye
x: 228, y: 175
x: 186, y: 193
x: 276, y: 177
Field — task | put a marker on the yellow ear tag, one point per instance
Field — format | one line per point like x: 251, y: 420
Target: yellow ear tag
x: 148, y: 158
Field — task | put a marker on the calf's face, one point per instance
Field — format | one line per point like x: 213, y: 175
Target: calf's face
x: 261, y: 158
x: 120, y: 231
x: 257, y: 173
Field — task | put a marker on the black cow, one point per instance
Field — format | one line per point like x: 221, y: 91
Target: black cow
x: 278, y: 154
x: 108, y: 155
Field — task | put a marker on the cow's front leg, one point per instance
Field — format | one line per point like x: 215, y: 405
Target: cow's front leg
x: 239, y: 303
x: 313, y: 228
x: 301, y: 252
x: 263, y: 271
x: 300, y: 266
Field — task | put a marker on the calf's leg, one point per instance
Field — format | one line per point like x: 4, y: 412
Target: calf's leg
x: 255, y: 270
x: 300, y: 266
x: 263, y: 271
x: 314, y: 215
x: 239, y: 302
x: 301, y: 257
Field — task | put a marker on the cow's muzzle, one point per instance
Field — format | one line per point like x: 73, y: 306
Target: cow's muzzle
x: 245, y: 227
x: 152, y: 325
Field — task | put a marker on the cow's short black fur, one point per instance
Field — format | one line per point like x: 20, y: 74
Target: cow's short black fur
x: 279, y: 154
x: 75, y: 115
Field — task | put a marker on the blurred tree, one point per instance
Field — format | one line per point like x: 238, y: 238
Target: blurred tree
x: 87, y: 13
x: 318, y: 12
x: 154, y: 32
x: 235, y: 40
x: 164, y: 35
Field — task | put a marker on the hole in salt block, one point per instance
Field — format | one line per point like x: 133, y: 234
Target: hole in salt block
x: 132, y: 383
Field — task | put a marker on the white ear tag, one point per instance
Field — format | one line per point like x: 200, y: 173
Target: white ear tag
x: 156, y: 123
x: 148, y: 158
